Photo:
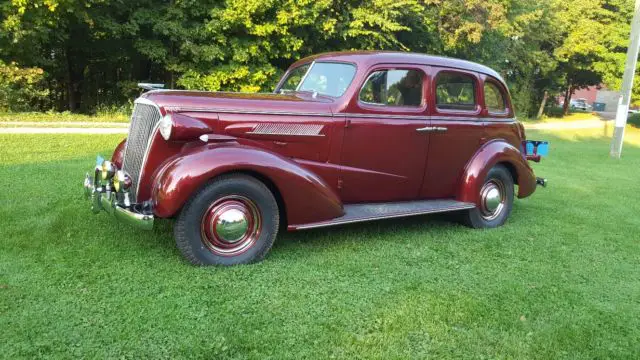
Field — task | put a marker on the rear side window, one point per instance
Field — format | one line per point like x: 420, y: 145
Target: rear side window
x: 393, y: 88
x: 494, y: 98
x: 455, y: 91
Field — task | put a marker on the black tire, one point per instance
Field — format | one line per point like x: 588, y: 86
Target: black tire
x: 481, y: 217
x: 199, y: 239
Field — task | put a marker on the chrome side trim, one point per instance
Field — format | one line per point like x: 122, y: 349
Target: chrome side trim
x: 432, y: 129
x: 242, y: 111
x: 337, y: 221
x: 352, y: 115
x: 386, y: 116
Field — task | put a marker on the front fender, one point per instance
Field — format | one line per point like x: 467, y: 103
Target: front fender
x: 118, y: 154
x: 307, y: 198
x: 492, y: 153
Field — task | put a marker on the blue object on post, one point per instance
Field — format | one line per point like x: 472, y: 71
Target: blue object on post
x: 534, y: 147
x: 99, y: 160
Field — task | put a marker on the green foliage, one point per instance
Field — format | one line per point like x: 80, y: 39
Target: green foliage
x: 95, y: 51
x: 21, y: 89
x: 634, y: 119
x: 554, y: 111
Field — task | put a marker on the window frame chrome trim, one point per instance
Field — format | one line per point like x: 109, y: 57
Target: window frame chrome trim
x: 476, y: 91
x: 501, y: 90
x: 284, y: 77
x: 381, y: 67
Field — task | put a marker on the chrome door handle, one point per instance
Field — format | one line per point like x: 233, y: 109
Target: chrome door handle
x: 432, y: 129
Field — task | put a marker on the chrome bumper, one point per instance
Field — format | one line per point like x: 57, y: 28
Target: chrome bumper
x: 104, y: 199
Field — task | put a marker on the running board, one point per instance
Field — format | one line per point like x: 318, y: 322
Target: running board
x: 354, y: 213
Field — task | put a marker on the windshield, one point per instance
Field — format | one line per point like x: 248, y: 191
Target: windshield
x: 326, y: 78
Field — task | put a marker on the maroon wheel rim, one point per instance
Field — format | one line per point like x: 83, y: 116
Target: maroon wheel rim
x: 231, y: 225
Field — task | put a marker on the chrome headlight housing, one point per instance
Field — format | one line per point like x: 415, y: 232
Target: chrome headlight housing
x: 121, y: 181
x: 108, y: 170
x: 165, y: 126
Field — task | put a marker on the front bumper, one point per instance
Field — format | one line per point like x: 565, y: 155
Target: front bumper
x: 103, y: 198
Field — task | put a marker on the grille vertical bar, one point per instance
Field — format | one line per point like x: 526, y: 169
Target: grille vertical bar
x: 143, y: 121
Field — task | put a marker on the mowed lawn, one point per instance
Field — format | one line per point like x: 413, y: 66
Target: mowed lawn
x: 560, y: 280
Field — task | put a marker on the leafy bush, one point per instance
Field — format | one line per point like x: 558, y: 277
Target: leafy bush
x: 22, y: 89
x: 554, y: 111
x: 634, y: 119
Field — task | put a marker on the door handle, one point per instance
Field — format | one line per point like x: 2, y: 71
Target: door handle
x: 432, y: 129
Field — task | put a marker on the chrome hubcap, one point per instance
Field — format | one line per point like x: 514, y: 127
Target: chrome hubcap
x: 492, y: 199
x: 231, y: 225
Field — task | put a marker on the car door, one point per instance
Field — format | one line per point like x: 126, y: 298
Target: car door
x: 384, y: 149
x: 456, y: 115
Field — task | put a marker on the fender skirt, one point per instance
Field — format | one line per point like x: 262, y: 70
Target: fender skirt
x: 307, y: 198
x: 492, y: 153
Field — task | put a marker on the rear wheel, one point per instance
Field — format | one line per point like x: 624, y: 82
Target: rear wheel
x: 232, y: 220
x: 495, y: 200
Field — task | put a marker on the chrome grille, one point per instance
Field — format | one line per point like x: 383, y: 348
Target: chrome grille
x: 143, y: 122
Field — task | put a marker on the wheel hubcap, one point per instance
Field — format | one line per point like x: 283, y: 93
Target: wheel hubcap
x: 231, y: 225
x: 492, y: 199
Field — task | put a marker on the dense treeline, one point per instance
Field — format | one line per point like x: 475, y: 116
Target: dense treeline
x: 82, y: 55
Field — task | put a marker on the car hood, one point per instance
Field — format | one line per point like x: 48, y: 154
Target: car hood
x: 202, y: 101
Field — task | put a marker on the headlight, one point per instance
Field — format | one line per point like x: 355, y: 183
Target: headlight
x: 108, y: 170
x: 165, y: 126
x: 121, y: 181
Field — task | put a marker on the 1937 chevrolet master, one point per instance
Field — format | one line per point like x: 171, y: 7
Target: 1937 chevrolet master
x: 345, y: 137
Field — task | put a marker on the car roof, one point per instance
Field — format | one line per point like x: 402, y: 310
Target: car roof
x: 368, y: 58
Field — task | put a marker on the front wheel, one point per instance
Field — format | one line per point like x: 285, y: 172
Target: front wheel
x: 495, y: 200
x: 232, y: 220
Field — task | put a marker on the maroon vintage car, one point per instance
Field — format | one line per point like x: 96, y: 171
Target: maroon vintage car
x: 345, y: 137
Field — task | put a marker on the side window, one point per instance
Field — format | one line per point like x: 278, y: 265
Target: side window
x: 493, y: 98
x: 294, y: 78
x: 455, y: 91
x: 393, y: 88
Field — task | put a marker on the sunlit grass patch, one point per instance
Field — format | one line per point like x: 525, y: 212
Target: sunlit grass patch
x: 559, y: 280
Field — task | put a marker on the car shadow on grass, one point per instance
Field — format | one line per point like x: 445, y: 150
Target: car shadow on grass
x: 409, y: 226
x: 293, y: 246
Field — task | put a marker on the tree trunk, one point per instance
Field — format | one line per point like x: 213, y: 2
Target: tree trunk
x: 567, y: 100
x: 543, y: 104
x: 74, y: 80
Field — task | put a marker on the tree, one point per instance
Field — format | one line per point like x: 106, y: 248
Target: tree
x: 93, y: 52
x: 592, y: 39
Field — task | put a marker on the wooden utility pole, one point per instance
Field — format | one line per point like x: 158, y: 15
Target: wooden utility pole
x: 627, y: 85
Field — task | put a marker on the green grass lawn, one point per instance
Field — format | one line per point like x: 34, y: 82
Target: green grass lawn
x: 560, y: 280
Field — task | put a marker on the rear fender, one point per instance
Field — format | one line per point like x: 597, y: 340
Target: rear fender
x: 493, y: 153
x: 307, y: 198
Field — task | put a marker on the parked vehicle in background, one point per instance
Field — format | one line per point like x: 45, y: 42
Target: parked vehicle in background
x: 580, y: 104
x: 345, y: 137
